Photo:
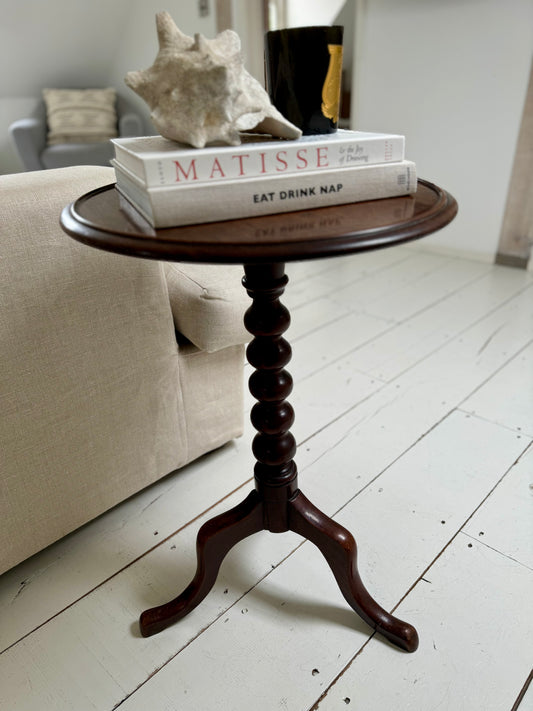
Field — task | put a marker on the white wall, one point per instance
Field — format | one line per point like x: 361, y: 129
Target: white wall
x: 301, y: 13
x: 78, y: 43
x: 138, y: 46
x: 452, y: 77
x: 247, y: 18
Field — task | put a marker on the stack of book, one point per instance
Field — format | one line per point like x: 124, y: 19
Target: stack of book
x: 170, y: 184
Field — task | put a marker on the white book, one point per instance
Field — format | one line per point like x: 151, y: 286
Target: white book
x: 229, y: 200
x: 159, y: 161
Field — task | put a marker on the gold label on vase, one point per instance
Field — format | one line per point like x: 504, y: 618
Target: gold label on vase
x: 331, y: 91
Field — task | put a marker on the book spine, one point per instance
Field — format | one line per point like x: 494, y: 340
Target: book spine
x: 130, y: 161
x: 169, y: 207
x: 246, y: 161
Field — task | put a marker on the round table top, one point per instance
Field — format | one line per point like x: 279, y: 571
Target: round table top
x: 97, y: 219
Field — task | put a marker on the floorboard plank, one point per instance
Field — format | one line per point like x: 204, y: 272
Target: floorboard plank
x: 334, y: 340
x: 505, y: 522
x: 406, y: 408
x: 508, y: 397
x: 525, y: 699
x: 419, y: 268
x: 387, y: 269
x: 473, y: 655
x: 430, y: 288
x: 408, y: 342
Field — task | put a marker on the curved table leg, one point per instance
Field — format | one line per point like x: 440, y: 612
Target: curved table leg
x: 339, y: 549
x: 215, y: 538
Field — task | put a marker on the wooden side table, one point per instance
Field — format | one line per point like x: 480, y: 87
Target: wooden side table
x: 263, y: 245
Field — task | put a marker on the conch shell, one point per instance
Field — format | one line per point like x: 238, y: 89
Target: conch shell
x: 199, y: 91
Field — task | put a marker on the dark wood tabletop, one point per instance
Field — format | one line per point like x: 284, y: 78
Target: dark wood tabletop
x: 99, y: 220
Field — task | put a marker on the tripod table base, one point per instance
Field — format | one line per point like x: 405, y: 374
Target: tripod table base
x: 217, y: 536
x: 277, y: 504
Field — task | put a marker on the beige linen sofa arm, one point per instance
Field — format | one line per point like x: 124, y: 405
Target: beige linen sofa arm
x: 89, y: 380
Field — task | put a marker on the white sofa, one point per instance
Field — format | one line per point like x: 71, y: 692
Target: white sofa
x: 99, y: 396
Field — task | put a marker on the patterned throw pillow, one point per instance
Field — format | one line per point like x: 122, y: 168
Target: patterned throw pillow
x: 80, y: 115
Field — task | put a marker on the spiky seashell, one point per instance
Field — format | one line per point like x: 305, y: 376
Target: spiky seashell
x: 199, y: 91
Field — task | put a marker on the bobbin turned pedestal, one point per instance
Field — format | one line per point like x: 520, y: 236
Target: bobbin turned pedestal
x: 277, y: 504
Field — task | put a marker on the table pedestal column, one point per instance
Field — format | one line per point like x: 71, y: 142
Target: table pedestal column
x: 277, y: 504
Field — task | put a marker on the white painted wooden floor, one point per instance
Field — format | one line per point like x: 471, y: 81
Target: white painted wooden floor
x: 414, y: 402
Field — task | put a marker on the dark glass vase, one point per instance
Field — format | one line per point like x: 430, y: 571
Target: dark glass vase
x: 303, y: 68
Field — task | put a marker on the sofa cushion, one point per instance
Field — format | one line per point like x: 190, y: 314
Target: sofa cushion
x: 208, y: 303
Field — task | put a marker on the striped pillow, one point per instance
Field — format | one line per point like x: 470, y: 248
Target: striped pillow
x: 80, y: 115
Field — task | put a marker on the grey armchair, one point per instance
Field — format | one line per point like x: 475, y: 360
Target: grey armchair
x: 29, y: 136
